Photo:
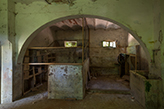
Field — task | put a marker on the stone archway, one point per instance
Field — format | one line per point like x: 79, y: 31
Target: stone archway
x: 31, y: 37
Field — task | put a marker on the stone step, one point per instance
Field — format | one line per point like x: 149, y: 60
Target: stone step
x: 126, y: 92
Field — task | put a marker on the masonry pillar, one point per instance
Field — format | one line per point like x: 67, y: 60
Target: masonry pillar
x: 6, y: 54
x: 6, y: 72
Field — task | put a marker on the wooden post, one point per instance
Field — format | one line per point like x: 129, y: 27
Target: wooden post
x: 33, y: 68
x: 136, y: 62
x: 82, y: 40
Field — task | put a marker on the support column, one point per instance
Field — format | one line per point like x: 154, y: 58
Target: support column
x: 6, y: 52
x: 6, y: 72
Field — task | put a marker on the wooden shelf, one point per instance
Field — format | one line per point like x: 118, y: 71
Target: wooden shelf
x: 52, y: 47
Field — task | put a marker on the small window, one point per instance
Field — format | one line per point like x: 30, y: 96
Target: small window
x: 111, y: 44
x: 105, y: 44
x: 70, y: 43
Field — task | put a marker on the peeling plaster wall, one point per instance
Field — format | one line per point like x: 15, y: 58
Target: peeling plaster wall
x: 143, y: 62
x: 135, y: 10
x: 31, y: 18
x: 143, y: 17
x: 148, y: 92
x: 104, y: 60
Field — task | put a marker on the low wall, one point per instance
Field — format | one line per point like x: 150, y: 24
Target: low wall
x: 147, y: 92
x: 68, y: 81
x: 65, y: 82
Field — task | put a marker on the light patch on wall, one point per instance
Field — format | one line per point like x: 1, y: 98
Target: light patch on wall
x: 70, y: 43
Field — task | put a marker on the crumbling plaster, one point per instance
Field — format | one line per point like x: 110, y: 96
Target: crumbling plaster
x: 7, y: 43
x: 41, y: 13
x: 137, y: 16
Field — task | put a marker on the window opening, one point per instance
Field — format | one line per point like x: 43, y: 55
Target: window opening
x: 70, y: 43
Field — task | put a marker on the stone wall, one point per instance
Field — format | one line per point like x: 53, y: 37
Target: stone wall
x: 65, y: 82
x: 68, y: 55
x: 148, y: 92
x: 103, y: 60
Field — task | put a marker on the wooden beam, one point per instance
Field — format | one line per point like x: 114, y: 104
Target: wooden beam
x: 82, y: 40
x: 94, y: 24
x: 86, y: 23
x: 67, y: 24
x: 54, y: 63
x: 33, y: 68
x: 106, y: 27
x: 52, y: 47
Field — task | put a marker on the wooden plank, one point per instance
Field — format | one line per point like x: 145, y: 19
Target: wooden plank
x: 34, y: 75
x: 135, y: 62
x: 54, y: 63
x: 27, y: 53
x: 38, y: 53
x: 26, y: 66
x: 25, y: 74
x: 52, y: 47
x: 26, y: 59
x: 26, y: 92
x: 39, y: 59
x: 28, y: 77
x: 35, y: 88
x: 38, y: 73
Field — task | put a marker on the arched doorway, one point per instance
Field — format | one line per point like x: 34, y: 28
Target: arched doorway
x: 28, y: 41
x: 30, y: 38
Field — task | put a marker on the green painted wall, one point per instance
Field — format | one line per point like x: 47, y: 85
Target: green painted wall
x: 22, y: 21
x: 135, y: 16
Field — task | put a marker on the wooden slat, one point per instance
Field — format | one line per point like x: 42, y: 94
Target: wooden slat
x: 52, y: 47
x: 38, y: 73
x: 26, y: 92
x: 28, y: 77
x: 54, y: 63
x: 34, y: 75
x: 135, y: 62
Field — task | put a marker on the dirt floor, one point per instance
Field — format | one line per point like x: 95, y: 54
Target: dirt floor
x: 93, y: 100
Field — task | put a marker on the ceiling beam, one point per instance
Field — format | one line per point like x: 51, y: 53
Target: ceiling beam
x: 94, y: 20
x: 106, y: 26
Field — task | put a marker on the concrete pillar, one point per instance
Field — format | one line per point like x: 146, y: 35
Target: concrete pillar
x: 6, y: 72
